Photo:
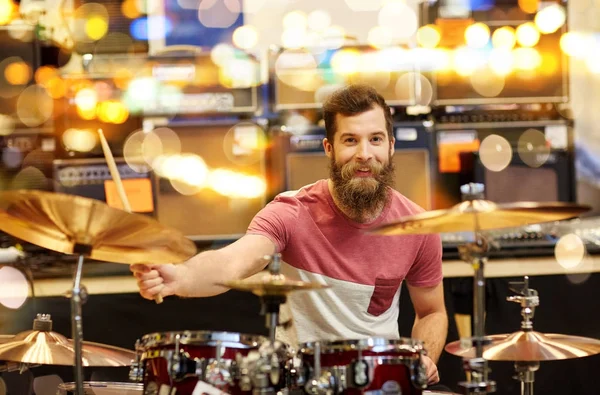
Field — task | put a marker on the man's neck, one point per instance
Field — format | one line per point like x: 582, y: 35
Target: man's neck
x: 364, y: 217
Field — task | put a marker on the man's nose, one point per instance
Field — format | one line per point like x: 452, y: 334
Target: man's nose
x: 363, y: 152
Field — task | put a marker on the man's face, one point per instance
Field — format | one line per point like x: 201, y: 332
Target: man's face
x: 360, y: 158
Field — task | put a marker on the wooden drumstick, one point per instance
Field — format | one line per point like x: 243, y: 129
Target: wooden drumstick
x: 114, y: 172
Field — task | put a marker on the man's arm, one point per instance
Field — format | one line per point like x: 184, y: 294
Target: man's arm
x: 198, y: 276
x: 431, y: 320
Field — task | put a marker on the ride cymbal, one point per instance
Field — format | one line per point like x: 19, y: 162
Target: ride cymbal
x: 74, y: 225
x: 272, y: 285
x: 474, y: 215
x: 41, y: 346
x: 530, y: 346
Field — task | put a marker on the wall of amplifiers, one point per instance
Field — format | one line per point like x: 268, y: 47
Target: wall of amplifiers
x: 209, y: 102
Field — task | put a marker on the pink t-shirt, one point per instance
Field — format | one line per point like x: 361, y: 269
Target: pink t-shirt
x: 319, y: 243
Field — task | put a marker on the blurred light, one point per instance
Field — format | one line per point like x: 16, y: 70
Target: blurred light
x: 18, y: 73
x: 240, y: 73
x: 501, y: 61
x: 295, y: 20
x: 80, y: 140
x: 161, y: 27
x: 495, y: 152
x: 170, y: 142
x: 551, y: 18
x: 7, y: 125
x: 413, y: 88
x: 45, y: 74
x: 399, y: 18
x: 221, y: 54
x: 504, y: 38
x: 130, y: 10
x: 529, y: 6
x: 477, y: 35
x: 236, y: 185
x: 86, y: 99
x: 527, y: 34
x: 245, y: 37
x: 592, y: 61
x: 318, y: 20
x: 253, y: 6
x: 194, y: 170
x: 487, y: 83
x: 334, y: 37
x: 13, y: 287
x: 12, y: 157
x: 122, y: 77
x: 34, y: 106
x: 379, y: 37
x: 467, y: 60
x: 345, y: 61
x: 151, y: 148
x: 428, y: 36
x: 88, y: 115
x: 96, y: 27
x: 132, y: 152
x: 294, y: 38
x: 575, y: 44
x: 527, y: 58
x: 362, y: 5
x: 297, y: 124
x: 533, y: 148
x: 569, y: 251
x: 372, y: 71
x: 6, y: 11
x: 219, y: 13
x: 112, y: 111
x: 298, y: 68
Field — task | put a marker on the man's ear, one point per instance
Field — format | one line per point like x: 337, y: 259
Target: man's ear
x: 328, y: 147
x: 392, y: 145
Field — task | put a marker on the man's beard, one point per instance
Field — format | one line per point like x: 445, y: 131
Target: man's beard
x: 361, y: 197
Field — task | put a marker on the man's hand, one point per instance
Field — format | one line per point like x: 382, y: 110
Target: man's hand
x: 155, y: 280
x: 432, y: 371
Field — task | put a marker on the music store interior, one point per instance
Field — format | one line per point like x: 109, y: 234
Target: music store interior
x: 121, y: 120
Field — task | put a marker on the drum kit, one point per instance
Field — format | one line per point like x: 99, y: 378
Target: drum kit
x: 199, y: 362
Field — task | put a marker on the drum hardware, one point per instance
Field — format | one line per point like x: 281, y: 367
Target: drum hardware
x: 88, y: 228
x: 477, y: 215
x: 321, y: 383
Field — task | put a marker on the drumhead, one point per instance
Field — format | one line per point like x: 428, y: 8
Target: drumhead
x: 103, y: 388
x: 371, y: 343
x: 205, y: 338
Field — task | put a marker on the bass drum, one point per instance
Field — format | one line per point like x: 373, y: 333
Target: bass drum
x: 101, y: 388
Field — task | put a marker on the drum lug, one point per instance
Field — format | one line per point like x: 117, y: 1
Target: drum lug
x: 217, y: 376
x: 183, y: 366
x: 358, y: 374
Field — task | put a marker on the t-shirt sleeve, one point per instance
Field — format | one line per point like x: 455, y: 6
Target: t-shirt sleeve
x: 426, y: 270
x: 276, y: 221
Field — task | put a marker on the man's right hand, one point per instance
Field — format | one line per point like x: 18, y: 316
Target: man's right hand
x: 154, y: 280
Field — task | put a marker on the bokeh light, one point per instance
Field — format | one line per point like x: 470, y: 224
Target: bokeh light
x: 219, y: 13
x: 527, y: 34
x: 13, y: 287
x: 495, y: 152
x: 533, y: 149
x: 569, y: 251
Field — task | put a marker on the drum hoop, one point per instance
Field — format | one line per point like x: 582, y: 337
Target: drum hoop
x: 202, y: 338
x: 376, y: 344
x: 102, y: 384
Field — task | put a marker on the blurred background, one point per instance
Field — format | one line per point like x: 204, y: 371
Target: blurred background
x: 212, y: 107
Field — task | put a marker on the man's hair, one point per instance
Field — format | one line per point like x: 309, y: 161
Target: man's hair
x: 353, y: 100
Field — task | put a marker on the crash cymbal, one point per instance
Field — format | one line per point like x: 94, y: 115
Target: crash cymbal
x: 530, y: 346
x: 41, y: 346
x: 74, y: 224
x: 272, y: 284
x: 475, y: 215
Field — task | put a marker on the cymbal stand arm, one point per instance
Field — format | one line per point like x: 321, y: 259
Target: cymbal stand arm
x: 528, y: 298
x: 78, y: 296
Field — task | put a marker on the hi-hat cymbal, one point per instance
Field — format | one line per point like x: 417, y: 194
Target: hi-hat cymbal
x: 272, y: 285
x: 530, y: 346
x: 475, y: 215
x: 51, y: 348
x: 74, y: 224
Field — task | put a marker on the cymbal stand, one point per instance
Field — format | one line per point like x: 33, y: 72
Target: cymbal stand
x: 475, y: 253
x: 266, y: 368
x: 529, y: 300
x: 78, y: 298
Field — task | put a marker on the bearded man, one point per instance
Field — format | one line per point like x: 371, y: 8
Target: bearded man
x: 320, y: 230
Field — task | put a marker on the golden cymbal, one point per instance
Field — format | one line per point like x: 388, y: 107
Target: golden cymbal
x: 272, y: 285
x: 74, y: 224
x: 51, y: 348
x: 530, y: 346
x: 475, y: 215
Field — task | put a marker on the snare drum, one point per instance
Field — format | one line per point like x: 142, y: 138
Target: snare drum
x: 178, y: 360
x: 101, y: 388
x: 372, y: 365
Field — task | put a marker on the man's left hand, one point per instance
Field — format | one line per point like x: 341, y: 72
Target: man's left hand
x: 433, y: 376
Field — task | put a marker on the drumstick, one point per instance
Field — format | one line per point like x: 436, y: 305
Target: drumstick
x: 114, y: 173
